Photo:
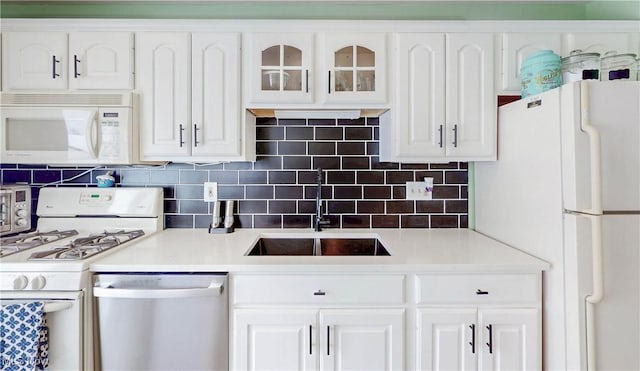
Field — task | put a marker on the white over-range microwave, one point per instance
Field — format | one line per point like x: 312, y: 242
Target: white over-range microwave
x: 68, y: 128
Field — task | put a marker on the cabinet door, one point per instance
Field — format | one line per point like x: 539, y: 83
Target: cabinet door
x: 470, y: 97
x: 516, y: 47
x: 34, y: 60
x: 447, y: 339
x: 365, y: 339
x: 510, y: 339
x: 600, y: 42
x: 281, y: 68
x: 419, y: 115
x: 281, y: 339
x: 100, y: 60
x: 216, y: 124
x: 355, y: 68
x: 163, y: 61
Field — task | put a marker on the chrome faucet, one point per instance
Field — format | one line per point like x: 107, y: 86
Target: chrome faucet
x: 319, y: 220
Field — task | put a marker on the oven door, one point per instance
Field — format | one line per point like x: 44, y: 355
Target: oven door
x: 49, y: 135
x: 64, y: 312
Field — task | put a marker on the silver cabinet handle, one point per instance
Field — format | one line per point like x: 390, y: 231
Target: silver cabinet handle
x: 195, y: 135
x: 455, y: 135
x: 181, y: 130
x: 329, y: 83
x: 75, y: 66
x: 54, y: 61
x: 440, y: 131
x: 490, y: 343
x: 473, y: 338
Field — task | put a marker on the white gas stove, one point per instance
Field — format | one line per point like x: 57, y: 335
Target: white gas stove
x: 76, y: 226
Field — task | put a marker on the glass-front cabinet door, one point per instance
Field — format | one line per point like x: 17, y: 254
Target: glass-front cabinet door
x: 355, y: 68
x: 281, y: 68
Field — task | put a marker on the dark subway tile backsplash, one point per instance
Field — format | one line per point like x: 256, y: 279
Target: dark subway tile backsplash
x: 278, y: 190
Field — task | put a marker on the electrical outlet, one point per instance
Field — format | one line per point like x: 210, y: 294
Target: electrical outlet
x: 210, y: 191
x: 417, y: 191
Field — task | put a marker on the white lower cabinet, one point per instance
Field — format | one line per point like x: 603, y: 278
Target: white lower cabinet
x: 437, y: 321
x: 361, y: 339
x: 274, y: 339
x: 478, y: 322
x: 478, y: 339
x: 325, y: 339
x: 317, y: 322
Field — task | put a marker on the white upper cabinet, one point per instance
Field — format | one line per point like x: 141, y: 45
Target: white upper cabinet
x: 282, y: 67
x: 355, y: 67
x: 60, y: 61
x: 215, y: 100
x: 34, y: 60
x: 420, y: 98
x: 445, y: 101
x: 313, y: 69
x: 100, y: 60
x: 165, y: 85
x: 190, y: 98
x: 601, y: 42
x: 516, y: 47
x: 470, y: 97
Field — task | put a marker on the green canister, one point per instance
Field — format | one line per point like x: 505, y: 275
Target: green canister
x: 540, y: 72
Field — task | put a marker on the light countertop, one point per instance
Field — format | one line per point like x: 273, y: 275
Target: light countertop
x: 412, y: 250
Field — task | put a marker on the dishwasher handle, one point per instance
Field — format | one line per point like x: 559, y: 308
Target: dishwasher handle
x: 215, y: 289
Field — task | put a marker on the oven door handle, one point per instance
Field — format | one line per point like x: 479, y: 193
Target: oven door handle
x: 56, y: 306
x: 106, y: 292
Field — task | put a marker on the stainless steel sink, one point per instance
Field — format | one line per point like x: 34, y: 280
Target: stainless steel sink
x: 283, y: 246
x: 352, y: 246
x: 343, y: 246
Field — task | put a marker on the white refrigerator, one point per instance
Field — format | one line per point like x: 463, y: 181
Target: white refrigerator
x: 566, y: 188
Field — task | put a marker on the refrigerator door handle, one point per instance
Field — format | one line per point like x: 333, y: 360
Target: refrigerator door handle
x: 598, y: 288
x: 594, y: 151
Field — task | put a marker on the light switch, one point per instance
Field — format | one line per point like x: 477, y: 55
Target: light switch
x: 420, y: 190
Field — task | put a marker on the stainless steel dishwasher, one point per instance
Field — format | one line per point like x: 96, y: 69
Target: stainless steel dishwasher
x: 162, y: 321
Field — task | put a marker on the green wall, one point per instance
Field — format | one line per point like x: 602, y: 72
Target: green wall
x: 458, y: 10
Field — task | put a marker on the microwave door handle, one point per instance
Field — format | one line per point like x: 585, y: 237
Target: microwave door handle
x: 92, y: 135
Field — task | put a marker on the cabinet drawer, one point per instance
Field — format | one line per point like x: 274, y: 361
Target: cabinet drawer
x: 477, y: 288
x: 317, y: 289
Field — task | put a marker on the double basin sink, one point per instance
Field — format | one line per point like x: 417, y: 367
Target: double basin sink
x: 318, y: 246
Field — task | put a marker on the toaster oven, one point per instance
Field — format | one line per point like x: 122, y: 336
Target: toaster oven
x: 15, y: 208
